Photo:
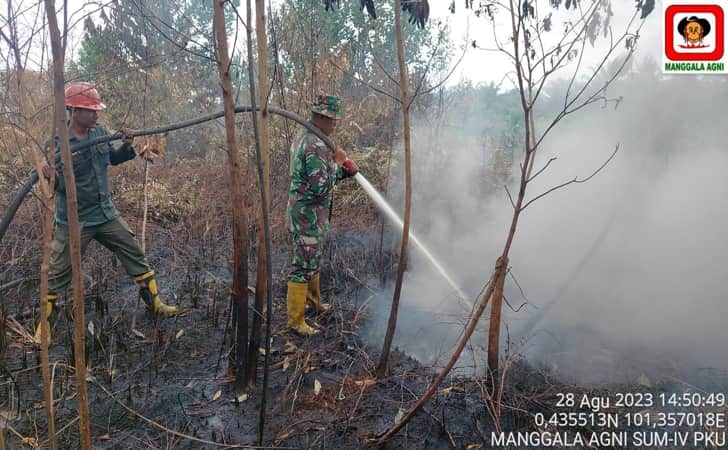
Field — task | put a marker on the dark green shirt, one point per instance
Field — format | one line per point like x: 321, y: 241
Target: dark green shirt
x: 92, y: 180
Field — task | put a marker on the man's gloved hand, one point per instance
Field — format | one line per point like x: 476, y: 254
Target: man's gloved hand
x: 128, y: 134
x: 339, y: 156
x: 350, y: 167
x: 45, y: 169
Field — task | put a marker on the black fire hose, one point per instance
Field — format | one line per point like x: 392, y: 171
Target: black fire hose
x: 75, y: 149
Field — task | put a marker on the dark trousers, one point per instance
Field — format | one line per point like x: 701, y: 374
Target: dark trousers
x: 114, y: 235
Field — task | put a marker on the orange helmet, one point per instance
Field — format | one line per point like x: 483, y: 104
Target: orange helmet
x: 83, y: 95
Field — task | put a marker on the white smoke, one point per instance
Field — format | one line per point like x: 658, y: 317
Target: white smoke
x: 622, y: 275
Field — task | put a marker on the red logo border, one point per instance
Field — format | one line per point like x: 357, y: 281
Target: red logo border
x: 715, y: 55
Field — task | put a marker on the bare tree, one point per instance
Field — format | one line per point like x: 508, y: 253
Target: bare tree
x: 239, y: 292
x: 535, y: 62
x: 262, y: 146
x: 405, y: 102
x: 12, y: 39
x: 74, y: 228
x: 264, y: 281
x: 48, y: 194
x: 263, y: 165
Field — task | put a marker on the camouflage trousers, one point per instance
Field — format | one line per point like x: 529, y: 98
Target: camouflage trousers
x: 307, y: 253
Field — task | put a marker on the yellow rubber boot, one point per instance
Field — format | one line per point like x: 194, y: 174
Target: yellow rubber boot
x: 314, y: 294
x: 296, y: 305
x: 150, y: 294
x: 49, y: 317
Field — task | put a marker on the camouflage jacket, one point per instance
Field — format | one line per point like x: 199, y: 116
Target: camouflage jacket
x: 313, y: 175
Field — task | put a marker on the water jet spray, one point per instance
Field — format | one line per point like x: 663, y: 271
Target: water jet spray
x: 383, y: 206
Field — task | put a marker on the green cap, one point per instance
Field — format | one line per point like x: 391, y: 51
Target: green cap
x: 327, y: 105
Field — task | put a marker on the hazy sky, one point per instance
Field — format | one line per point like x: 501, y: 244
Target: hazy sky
x: 482, y: 65
x: 477, y: 65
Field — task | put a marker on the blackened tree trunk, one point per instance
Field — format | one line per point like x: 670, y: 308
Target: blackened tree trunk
x: 239, y: 293
x: 263, y: 159
x: 74, y: 228
x: 260, y: 126
x: 405, y: 101
x: 48, y: 211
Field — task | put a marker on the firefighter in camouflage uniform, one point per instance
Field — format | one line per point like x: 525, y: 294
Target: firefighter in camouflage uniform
x: 314, y: 171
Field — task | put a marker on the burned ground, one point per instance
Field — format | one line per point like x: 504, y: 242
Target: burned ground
x: 322, y: 391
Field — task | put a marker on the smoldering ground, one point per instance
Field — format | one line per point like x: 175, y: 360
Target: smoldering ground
x: 617, y: 277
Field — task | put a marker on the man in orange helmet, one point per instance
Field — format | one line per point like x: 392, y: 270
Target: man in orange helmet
x: 99, y: 218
